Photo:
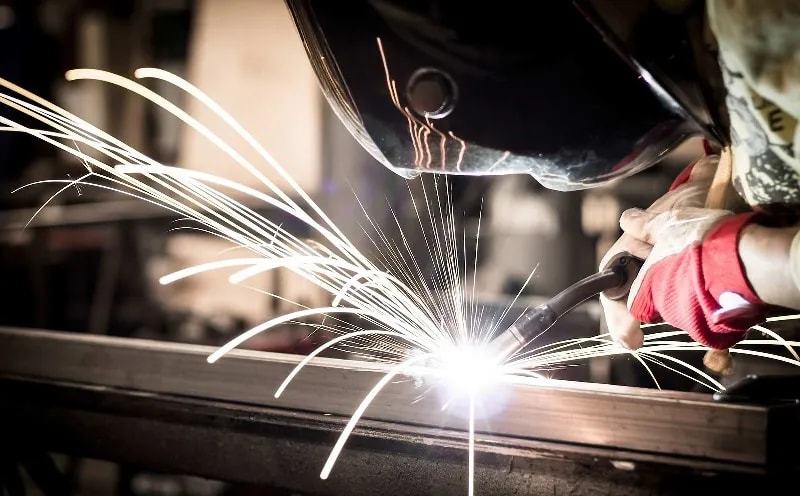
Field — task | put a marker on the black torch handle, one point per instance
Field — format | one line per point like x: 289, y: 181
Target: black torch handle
x: 614, y: 281
x: 628, y: 267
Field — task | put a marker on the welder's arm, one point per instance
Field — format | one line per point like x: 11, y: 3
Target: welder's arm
x: 771, y: 260
x: 760, y: 41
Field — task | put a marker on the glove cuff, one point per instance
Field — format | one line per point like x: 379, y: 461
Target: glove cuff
x: 685, y: 289
x: 723, y: 271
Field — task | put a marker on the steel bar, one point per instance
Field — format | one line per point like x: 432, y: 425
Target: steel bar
x: 680, y: 425
x: 286, y: 449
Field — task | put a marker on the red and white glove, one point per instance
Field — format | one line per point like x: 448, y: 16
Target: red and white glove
x: 692, y: 277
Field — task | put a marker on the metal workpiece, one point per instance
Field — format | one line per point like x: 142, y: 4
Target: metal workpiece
x: 285, y: 449
x: 678, y: 428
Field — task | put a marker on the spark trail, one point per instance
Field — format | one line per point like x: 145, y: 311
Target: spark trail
x: 435, y: 326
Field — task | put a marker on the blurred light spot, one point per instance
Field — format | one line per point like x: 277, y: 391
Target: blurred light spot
x: 7, y: 17
x: 623, y: 465
x: 600, y: 213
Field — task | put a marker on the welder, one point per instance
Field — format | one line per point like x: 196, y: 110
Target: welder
x: 584, y: 93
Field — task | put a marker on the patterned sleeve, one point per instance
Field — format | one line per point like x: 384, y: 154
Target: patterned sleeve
x: 759, y: 52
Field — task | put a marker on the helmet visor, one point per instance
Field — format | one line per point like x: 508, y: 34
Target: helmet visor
x: 456, y: 88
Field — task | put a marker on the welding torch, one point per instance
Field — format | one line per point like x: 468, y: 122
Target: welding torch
x: 614, y: 282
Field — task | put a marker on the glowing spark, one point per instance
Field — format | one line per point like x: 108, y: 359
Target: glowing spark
x: 411, y: 132
x: 417, y: 130
x: 351, y: 424
x: 499, y: 161
x: 77, y: 187
x: 460, y: 151
x: 296, y: 370
x: 442, y: 144
x: 471, y: 447
x: 412, y: 122
x: 468, y: 369
x: 426, y: 133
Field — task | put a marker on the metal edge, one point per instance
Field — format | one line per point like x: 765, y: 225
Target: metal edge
x: 657, y: 422
x: 286, y: 449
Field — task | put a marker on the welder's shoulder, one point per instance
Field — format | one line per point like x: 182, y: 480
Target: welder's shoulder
x: 759, y: 51
x: 762, y: 41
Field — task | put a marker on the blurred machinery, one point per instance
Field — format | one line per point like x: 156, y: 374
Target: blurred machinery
x: 138, y: 395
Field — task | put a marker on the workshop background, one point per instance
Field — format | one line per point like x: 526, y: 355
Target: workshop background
x: 90, y: 262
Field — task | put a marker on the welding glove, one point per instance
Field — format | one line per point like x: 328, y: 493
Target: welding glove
x: 692, y: 277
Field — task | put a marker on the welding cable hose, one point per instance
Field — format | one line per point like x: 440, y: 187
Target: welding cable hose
x: 613, y: 281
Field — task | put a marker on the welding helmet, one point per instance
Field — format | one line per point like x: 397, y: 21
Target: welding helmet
x: 576, y: 94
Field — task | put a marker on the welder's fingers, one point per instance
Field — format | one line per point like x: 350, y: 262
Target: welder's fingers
x: 672, y: 231
x: 675, y: 227
x: 623, y: 327
x: 626, y: 243
x: 694, y: 191
x: 642, y: 225
x: 636, y: 247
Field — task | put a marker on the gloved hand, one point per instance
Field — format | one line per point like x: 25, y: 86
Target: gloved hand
x: 692, y: 277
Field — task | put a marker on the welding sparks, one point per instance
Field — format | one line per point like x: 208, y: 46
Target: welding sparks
x: 435, y: 329
x: 469, y: 369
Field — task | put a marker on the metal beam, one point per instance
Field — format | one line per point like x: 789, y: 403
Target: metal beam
x: 286, y: 449
x: 686, y: 428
